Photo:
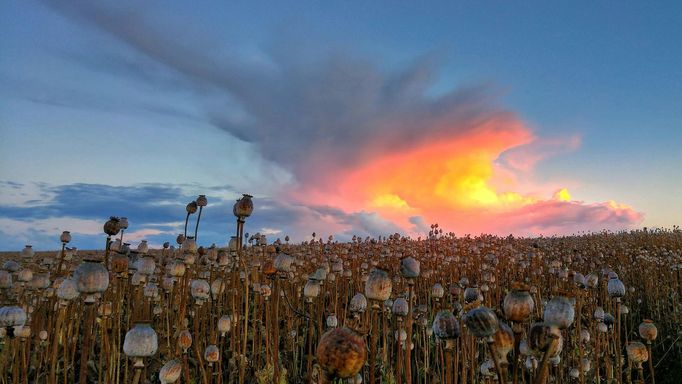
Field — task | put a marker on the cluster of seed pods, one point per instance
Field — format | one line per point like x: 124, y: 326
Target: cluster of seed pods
x: 446, y: 309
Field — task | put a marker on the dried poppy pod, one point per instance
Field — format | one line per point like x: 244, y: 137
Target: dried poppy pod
x: 378, y: 286
x: 202, y: 201
x: 191, y: 207
x: 145, y: 265
x: 189, y: 245
x: 92, y: 278
x: 212, y: 354
x: 545, y: 338
x: 176, y: 269
x: 615, y: 288
x: 123, y: 222
x: 637, y: 353
x: 446, y: 327
x: 40, y: 281
x: 140, y: 341
x: 472, y: 294
x: 111, y: 226
x: 119, y: 264
x: 224, y: 325
x: 27, y: 252
x: 358, y: 304
x: 311, y: 290
x: 409, y: 267
x: 341, y: 353
x: 12, y: 316
x: 437, y: 291
x: 283, y: 262
x: 580, y: 280
x: 67, y: 291
x: 200, y: 290
x: 518, y: 304
x: 481, y: 322
x: 25, y: 275
x: 243, y: 207
x: 559, y: 312
x: 65, y: 237
x: 332, y: 321
x: 592, y: 280
x: 184, y: 340
x: 11, y: 266
x: 400, y: 307
x: 503, y: 342
x: 180, y: 239
x: 143, y: 247
x: 170, y: 372
x: 648, y: 331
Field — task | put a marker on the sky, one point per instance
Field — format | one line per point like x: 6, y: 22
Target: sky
x: 343, y: 118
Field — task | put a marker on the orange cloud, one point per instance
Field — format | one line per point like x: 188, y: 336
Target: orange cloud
x: 457, y: 183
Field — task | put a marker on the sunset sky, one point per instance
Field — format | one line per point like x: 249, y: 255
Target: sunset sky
x: 347, y: 118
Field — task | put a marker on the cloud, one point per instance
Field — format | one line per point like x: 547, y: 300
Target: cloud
x: 156, y: 212
x: 371, y: 150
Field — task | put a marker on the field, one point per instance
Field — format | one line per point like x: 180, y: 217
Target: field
x: 584, y: 309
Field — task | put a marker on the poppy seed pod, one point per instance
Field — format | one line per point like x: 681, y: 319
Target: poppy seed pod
x: 437, y: 291
x: 243, y: 207
x: 579, y: 280
x: 481, y: 322
x: 400, y: 307
x: 145, y: 265
x: 25, y: 275
x: 92, y: 278
x: 170, y: 372
x: 446, y: 327
x: 409, y: 267
x: 11, y: 266
x: 472, y: 294
x: 341, y: 353
x: 332, y: 321
x: 283, y: 262
x: 358, y: 304
x: 184, y: 340
x: 543, y: 338
x: 224, y: 325
x: 648, y: 330
x: 65, y: 237
x: 503, y: 342
x: 378, y: 286
x: 212, y: 354
x: 67, y: 290
x: 191, y: 207
x: 200, y: 290
x: 180, y: 239
x: 111, y: 227
x: 518, y: 304
x: 12, y: 316
x: 143, y: 247
x: 202, y: 201
x: 559, y: 312
x: 123, y: 222
x: 311, y: 290
x: 27, y: 252
x: 637, y: 353
x: 616, y: 288
x: 140, y: 341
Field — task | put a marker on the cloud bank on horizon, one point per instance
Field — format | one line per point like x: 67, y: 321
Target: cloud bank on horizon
x: 370, y: 151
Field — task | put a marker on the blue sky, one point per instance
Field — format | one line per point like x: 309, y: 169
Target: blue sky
x: 166, y: 100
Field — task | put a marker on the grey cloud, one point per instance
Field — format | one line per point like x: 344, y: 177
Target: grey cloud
x: 308, y: 114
